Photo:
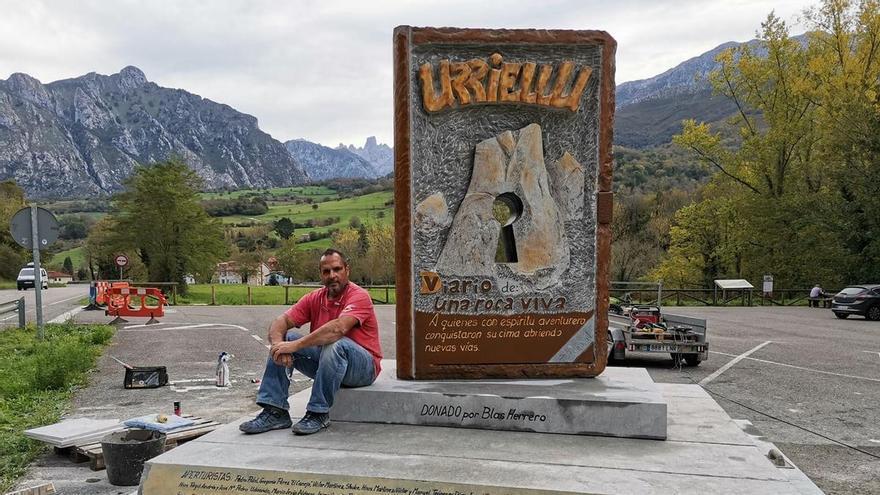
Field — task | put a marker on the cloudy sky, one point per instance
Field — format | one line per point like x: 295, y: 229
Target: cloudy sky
x: 321, y: 70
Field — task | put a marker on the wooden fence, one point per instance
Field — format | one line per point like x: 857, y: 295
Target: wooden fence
x: 713, y: 297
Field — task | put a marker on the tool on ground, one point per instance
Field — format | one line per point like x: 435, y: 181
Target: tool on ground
x: 127, y: 366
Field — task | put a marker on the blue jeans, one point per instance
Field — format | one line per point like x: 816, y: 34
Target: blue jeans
x: 342, y: 363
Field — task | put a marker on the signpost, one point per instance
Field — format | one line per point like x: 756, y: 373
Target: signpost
x: 767, y: 287
x: 35, y: 228
x: 121, y: 261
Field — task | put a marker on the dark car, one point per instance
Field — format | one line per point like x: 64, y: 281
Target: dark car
x: 861, y: 300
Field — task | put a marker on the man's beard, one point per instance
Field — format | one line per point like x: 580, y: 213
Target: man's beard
x: 334, y: 292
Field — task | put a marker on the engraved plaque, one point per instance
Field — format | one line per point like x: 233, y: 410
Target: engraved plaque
x: 502, y: 201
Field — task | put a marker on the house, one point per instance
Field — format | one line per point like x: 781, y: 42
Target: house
x: 59, y: 277
x: 228, y: 273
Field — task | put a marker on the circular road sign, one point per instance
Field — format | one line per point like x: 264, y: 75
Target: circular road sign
x: 121, y: 260
x: 47, y: 228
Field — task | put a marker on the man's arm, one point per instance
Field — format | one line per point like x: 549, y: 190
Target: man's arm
x: 277, y: 333
x: 278, y: 328
x: 328, y: 333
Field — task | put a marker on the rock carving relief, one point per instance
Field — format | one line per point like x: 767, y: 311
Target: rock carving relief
x: 510, y: 168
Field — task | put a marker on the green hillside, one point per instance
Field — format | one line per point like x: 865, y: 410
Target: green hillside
x: 317, y: 193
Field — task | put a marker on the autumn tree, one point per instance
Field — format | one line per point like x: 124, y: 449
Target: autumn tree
x: 377, y: 263
x: 795, y: 194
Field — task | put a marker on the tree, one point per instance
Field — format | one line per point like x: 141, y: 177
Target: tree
x: 102, y: 244
x: 160, y: 216
x: 290, y: 260
x: 247, y: 264
x: 378, y: 260
x: 283, y: 227
x: 348, y: 241
x: 798, y: 186
x: 12, y: 255
x: 74, y: 227
x: 68, y: 265
x: 11, y: 261
x: 845, y: 51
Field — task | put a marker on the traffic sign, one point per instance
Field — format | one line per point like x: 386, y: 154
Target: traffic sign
x: 47, y: 228
x: 121, y: 260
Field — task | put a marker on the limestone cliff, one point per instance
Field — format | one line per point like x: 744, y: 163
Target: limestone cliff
x: 84, y: 136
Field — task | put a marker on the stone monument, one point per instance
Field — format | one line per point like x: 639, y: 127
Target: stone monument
x: 502, y: 201
x: 503, y: 173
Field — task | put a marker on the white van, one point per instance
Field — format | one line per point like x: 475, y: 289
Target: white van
x: 26, y: 278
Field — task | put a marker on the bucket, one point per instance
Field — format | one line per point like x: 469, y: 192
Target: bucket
x: 126, y: 451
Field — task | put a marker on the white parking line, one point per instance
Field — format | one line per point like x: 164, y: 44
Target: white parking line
x: 732, y: 362
x: 257, y: 337
x: 856, y: 377
x: 65, y: 300
x: 873, y: 352
x: 186, y: 327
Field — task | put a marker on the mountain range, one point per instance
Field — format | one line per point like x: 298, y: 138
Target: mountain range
x: 83, y: 136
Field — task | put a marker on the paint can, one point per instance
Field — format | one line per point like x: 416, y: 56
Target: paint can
x: 222, y: 372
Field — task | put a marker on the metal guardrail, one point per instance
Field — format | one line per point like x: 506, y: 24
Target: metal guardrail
x: 12, y: 307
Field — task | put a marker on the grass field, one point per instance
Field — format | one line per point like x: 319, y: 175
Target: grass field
x: 369, y: 208
x: 365, y: 207
x: 37, y: 381
x: 236, y: 295
x: 76, y: 256
x: 317, y: 193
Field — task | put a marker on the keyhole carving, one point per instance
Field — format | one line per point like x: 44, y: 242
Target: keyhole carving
x: 507, y: 208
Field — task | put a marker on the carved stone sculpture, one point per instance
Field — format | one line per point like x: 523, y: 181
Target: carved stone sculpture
x: 513, y: 163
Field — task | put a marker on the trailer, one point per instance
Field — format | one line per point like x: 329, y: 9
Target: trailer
x: 647, y: 329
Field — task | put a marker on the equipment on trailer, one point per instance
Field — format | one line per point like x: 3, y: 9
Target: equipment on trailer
x: 647, y: 329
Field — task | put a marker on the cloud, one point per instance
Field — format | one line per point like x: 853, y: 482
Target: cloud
x: 322, y: 70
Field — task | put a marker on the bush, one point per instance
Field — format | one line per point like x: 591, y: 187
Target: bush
x: 36, y: 383
x: 56, y: 363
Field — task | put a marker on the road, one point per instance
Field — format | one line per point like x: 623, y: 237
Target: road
x: 56, y: 302
x: 809, y: 382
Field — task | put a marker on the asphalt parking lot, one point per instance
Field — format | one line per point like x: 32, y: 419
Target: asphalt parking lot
x: 811, y: 387
x: 809, y: 382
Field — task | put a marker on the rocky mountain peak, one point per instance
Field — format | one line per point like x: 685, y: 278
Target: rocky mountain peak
x: 131, y: 77
x: 380, y: 155
x: 28, y: 88
x: 322, y: 163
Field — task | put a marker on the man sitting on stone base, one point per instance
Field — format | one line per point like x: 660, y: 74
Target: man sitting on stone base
x: 341, y: 349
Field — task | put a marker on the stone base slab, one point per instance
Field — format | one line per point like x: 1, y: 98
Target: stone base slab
x: 622, y: 402
x: 705, y: 452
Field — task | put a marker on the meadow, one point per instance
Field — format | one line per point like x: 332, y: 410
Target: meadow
x: 237, y: 294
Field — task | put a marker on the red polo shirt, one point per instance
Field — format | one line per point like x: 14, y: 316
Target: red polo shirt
x: 317, y: 309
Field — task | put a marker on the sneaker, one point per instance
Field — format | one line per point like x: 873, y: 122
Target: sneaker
x: 312, y: 422
x: 271, y: 418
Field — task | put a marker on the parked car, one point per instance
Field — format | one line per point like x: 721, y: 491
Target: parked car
x: 861, y: 300
x: 26, y: 278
